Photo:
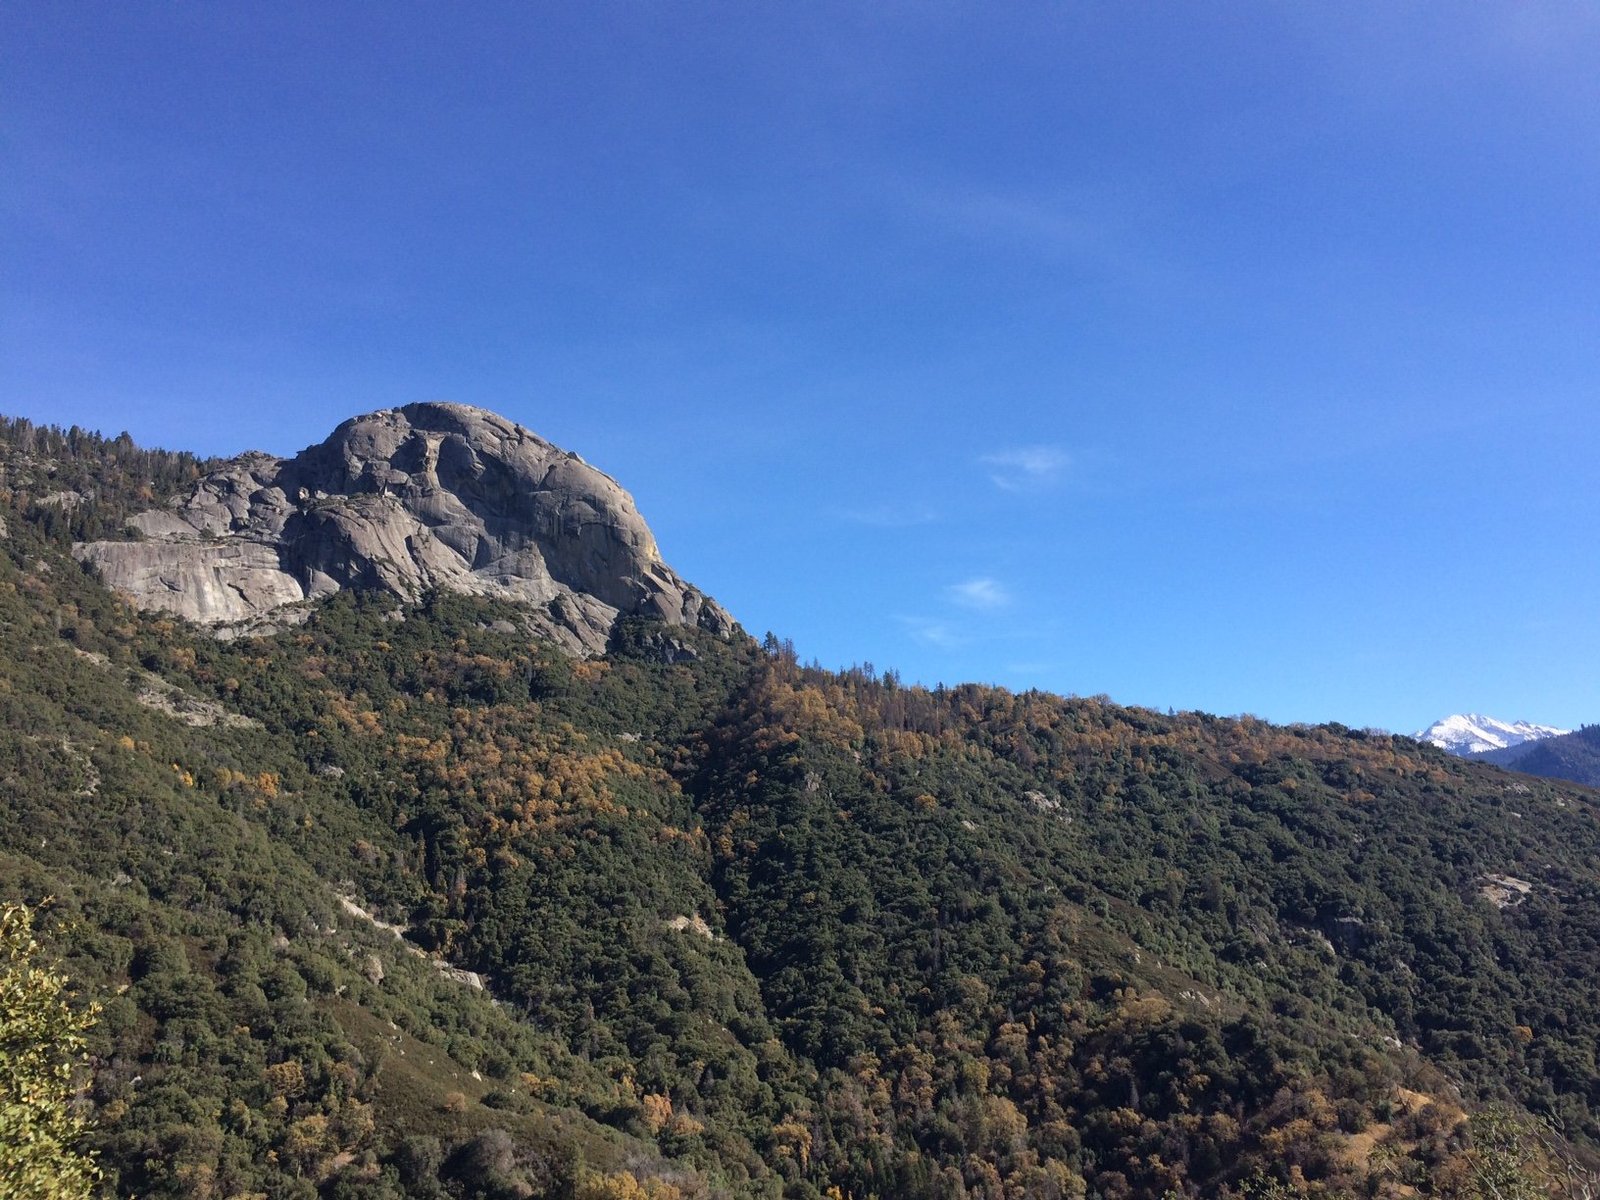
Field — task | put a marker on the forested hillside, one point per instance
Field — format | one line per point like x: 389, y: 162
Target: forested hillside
x: 403, y: 902
x: 1574, y: 756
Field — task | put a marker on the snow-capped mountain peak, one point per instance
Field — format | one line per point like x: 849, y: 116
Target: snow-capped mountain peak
x: 1473, y: 733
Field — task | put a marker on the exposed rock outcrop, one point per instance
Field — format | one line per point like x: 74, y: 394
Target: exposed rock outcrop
x: 406, y: 500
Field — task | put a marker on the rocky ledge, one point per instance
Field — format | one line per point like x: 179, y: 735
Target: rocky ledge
x: 429, y: 496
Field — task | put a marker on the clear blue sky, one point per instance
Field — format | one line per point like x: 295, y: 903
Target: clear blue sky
x: 1242, y: 357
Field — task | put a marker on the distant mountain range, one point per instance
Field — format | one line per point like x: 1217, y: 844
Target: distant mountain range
x: 1521, y: 746
x: 1574, y: 756
x: 1468, y: 734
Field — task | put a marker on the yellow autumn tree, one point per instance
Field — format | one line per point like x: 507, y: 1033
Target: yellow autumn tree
x: 42, y: 1049
x: 624, y: 1185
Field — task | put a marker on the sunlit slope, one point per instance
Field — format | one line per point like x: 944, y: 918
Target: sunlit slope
x: 746, y: 927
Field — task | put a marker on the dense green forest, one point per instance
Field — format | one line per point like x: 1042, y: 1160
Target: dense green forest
x: 400, y: 902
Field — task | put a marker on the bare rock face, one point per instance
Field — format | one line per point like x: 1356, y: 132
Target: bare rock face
x: 406, y: 500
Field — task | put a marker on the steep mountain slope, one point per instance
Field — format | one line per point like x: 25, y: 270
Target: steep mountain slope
x: 1521, y: 746
x: 1574, y: 756
x: 1473, y: 733
x: 747, y: 928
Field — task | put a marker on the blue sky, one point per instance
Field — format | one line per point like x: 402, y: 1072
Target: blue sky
x: 1240, y: 357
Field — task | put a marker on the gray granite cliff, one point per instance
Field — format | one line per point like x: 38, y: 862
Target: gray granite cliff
x: 406, y: 500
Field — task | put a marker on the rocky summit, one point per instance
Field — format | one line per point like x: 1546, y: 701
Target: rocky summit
x: 428, y: 496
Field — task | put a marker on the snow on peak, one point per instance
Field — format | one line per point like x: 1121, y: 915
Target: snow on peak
x: 1473, y: 733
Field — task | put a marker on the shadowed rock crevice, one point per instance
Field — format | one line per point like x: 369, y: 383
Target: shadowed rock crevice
x: 406, y: 500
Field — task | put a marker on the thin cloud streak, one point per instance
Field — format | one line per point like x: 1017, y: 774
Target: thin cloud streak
x: 1089, y: 229
x: 1026, y: 468
x: 983, y: 594
x: 931, y: 632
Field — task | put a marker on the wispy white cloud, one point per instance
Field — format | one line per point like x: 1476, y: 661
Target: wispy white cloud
x: 983, y: 594
x: 933, y: 632
x: 1026, y: 468
x: 954, y: 630
x: 1091, y: 230
x: 1029, y: 221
